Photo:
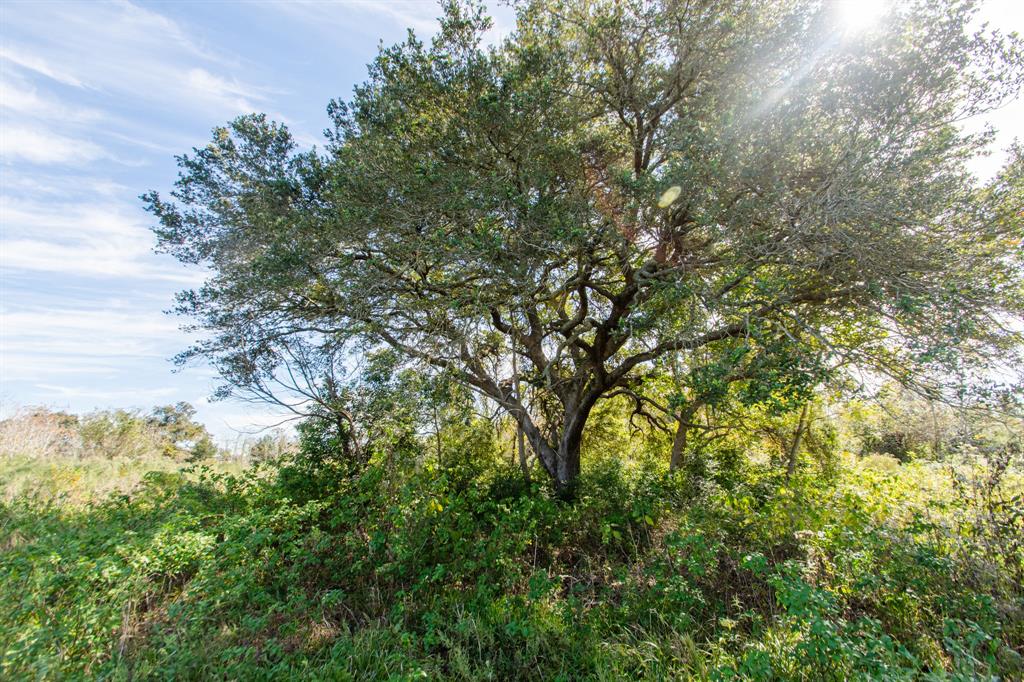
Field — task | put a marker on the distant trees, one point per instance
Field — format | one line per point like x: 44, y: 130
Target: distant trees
x: 180, y: 433
x: 168, y: 430
x: 900, y: 424
x: 736, y: 195
x: 269, y: 447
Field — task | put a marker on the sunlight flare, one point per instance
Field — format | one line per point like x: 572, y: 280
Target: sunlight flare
x: 669, y: 196
x: 855, y: 16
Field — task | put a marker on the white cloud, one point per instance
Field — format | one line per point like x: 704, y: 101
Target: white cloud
x: 118, y: 48
x: 41, y: 128
x: 357, y: 15
x: 19, y: 98
x: 98, y: 332
x: 31, y: 366
x: 85, y: 259
x: 18, y: 143
x: 230, y: 93
x: 104, y: 239
x: 420, y: 16
x: 103, y: 352
x: 49, y: 186
x: 84, y: 86
x: 352, y: 15
x: 38, y: 65
x: 108, y: 397
x: 1008, y: 121
x: 229, y: 422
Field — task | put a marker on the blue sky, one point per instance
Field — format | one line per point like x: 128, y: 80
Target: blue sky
x: 95, y: 100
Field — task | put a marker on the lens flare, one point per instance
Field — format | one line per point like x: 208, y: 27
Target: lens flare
x: 670, y: 195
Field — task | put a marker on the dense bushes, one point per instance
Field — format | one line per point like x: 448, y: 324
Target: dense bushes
x: 407, y: 570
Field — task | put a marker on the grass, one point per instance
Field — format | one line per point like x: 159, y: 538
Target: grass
x: 409, y: 572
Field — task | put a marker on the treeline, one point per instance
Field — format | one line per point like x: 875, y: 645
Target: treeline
x: 168, y: 431
x: 387, y: 411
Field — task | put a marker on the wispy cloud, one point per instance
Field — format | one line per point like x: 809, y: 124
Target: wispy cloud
x: 353, y: 15
x: 70, y: 71
x: 108, y: 397
x: 358, y: 15
x: 37, y: 65
x: 41, y: 128
x: 99, y: 239
x: 230, y: 93
x: 51, y: 184
x: 420, y: 16
x: 17, y: 97
x: 82, y: 258
x: 22, y: 143
x: 95, y: 98
x: 119, y: 47
x: 99, y: 331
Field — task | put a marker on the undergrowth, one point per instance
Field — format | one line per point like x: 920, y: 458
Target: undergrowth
x: 291, y: 571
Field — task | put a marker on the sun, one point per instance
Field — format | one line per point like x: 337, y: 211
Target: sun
x: 855, y: 16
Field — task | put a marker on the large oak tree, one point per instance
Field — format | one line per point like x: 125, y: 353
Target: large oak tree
x: 615, y: 184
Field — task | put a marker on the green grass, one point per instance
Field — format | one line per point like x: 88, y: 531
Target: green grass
x: 306, y: 573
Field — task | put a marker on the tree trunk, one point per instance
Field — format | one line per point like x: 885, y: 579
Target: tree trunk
x: 561, y: 461
x: 568, y: 468
x: 521, y: 444
x: 520, y: 434
x: 682, y: 433
x: 794, y: 448
x: 560, y: 458
x: 568, y: 462
x: 349, y: 444
x: 678, y: 446
x: 568, y: 473
x: 437, y: 436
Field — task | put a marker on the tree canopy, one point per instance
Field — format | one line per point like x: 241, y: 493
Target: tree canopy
x: 741, y: 190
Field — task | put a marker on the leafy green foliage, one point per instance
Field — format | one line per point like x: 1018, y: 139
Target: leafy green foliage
x: 467, y: 572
